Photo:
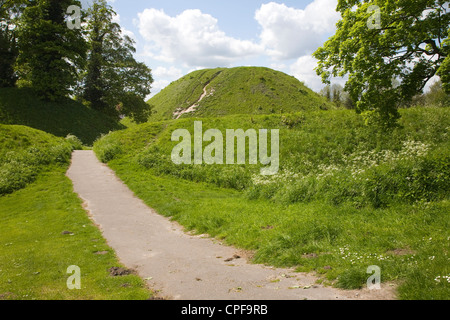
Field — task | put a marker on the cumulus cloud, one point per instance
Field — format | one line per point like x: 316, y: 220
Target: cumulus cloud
x: 157, y: 86
x: 303, y: 69
x: 171, y: 73
x: 289, y: 33
x: 191, y: 37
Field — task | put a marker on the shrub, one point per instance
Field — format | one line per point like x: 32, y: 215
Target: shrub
x: 19, y: 168
x: 107, y: 151
x: 75, y: 142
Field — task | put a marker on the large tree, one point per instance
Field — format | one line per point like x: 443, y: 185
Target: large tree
x: 114, y: 82
x: 9, y: 12
x: 51, y: 53
x: 382, y: 42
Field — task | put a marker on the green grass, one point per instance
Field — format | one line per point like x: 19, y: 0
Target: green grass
x: 242, y: 90
x: 25, y: 152
x: 21, y: 107
x: 35, y: 255
x: 37, y: 205
x: 393, y: 213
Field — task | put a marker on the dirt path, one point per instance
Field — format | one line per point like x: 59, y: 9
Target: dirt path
x: 194, y: 106
x: 180, y: 265
x: 178, y: 113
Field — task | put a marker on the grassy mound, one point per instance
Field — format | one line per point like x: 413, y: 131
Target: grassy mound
x: 24, y: 152
x: 347, y: 196
x: 21, y: 107
x: 242, y: 90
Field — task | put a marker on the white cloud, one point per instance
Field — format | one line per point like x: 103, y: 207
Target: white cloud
x: 157, y: 86
x: 192, y: 38
x: 289, y: 33
x: 303, y: 69
x: 172, y: 72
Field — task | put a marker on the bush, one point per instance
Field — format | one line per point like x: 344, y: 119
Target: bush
x: 107, y: 151
x: 19, y: 168
x: 75, y: 142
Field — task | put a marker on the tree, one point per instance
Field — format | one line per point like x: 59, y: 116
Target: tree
x: 436, y: 96
x: 9, y: 12
x: 410, y: 44
x: 51, y: 54
x: 337, y: 94
x: 326, y: 92
x: 114, y: 82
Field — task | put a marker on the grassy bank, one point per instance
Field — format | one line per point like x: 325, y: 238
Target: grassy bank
x: 68, y: 117
x: 346, y: 197
x: 44, y: 229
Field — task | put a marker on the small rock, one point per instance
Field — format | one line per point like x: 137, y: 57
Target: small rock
x: 67, y: 233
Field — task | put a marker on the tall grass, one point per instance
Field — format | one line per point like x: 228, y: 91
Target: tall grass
x: 330, y: 156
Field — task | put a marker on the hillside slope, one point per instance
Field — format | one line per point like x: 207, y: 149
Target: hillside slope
x: 242, y: 90
x: 21, y: 107
x: 347, y: 195
x: 25, y: 152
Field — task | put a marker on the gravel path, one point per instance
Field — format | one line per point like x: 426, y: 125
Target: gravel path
x: 179, y: 265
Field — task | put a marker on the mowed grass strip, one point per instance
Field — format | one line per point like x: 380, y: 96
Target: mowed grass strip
x: 43, y: 231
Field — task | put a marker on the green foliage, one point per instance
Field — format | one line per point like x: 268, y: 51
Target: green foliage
x: 243, y: 90
x: 108, y: 151
x: 374, y: 58
x: 347, y: 195
x: 113, y: 82
x: 51, y: 54
x: 9, y: 10
x: 75, y: 142
x: 36, y: 150
x: 23, y: 107
x: 353, y: 278
x: 325, y: 156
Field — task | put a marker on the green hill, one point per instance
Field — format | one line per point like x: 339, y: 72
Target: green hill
x: 21, y: 107
x: 242, y: 90
x: 347, y: 195
x: 25, y: 152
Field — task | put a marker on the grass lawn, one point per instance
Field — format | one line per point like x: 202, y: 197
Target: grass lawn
x: 35, y: 253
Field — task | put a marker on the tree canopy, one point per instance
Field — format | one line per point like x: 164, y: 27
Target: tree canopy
x: 114, y: 82
x: 389, y: 49
x: 45, y: 45
x: 50, y: 53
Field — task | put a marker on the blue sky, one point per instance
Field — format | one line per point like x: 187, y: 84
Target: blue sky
x: 175, y: 37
